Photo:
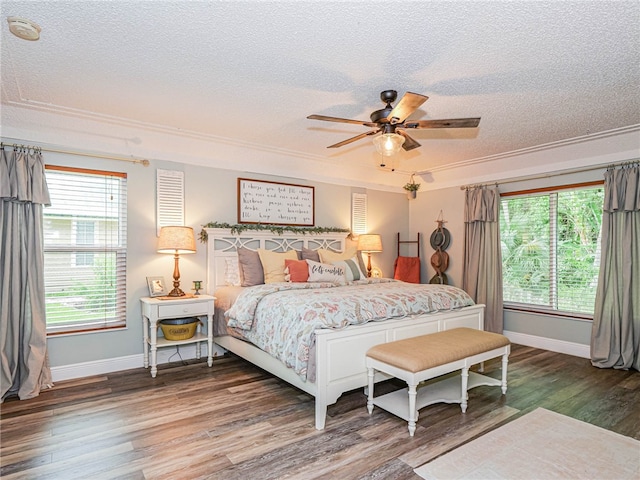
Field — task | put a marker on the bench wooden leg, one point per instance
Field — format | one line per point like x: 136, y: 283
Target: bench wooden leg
x: 463, y: 392
x: 370, y: 374
x: 413, y: 413
x: 505, y: 361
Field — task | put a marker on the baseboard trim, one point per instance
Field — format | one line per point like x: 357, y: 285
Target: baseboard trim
x: 108, y: 365
x: 551, y: 344
x: 187, y: 352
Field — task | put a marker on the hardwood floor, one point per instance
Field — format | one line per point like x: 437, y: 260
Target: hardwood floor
x: 234, y: 421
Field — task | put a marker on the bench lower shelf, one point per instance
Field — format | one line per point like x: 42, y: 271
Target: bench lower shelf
x: 441, y: 390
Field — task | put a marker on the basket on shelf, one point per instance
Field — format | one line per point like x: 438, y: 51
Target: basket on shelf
x: 179, y: 328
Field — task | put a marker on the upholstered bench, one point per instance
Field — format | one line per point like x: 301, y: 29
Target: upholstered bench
x: 418, y: 359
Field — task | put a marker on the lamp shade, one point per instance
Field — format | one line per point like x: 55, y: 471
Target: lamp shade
x: 371, y: 243
x: 176, y: 240
x: 388, y: 144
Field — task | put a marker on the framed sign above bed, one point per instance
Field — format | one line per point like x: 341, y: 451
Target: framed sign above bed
x: 275, y: 203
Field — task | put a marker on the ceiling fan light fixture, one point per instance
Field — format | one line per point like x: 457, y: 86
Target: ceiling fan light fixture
x: 388, y: 144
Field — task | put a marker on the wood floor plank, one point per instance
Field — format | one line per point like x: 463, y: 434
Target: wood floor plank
x: 235, y: 421
x: 443, y: 438
x: 73, y: 467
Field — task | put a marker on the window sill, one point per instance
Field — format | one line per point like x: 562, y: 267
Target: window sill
x: 81, y: 331
x: 583, y: 317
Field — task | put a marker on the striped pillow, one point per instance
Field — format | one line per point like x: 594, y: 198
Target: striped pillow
x: 351, y: 269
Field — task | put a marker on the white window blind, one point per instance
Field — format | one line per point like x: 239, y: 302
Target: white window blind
x: 85, y: 249
x: 169, y: 198
x: 359, y: 213
x: 551, y: 249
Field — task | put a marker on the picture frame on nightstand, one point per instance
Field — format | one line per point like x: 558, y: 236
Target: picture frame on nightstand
x: 157, y: 286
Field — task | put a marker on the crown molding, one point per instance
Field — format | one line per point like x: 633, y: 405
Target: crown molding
x: 537, y: 148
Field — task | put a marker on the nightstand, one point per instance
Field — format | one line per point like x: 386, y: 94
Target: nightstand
x: 155, y: 309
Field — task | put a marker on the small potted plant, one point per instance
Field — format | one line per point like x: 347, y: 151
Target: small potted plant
x: 412, y: 187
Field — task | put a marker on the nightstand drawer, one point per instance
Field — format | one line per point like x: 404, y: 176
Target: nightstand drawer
x: 175, y: 311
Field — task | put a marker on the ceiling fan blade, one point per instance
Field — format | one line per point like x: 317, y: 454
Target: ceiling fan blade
x: 408, y: 104
x: 353, y: 139
x: 449, y: 123
x: 340, y: 120
x: 409, y: 143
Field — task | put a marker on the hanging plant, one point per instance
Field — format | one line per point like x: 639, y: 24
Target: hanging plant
x: 412, y: 186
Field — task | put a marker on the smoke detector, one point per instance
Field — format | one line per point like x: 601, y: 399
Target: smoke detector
x: 23, y: 28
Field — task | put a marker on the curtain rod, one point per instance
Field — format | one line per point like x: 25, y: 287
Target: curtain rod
x: 548, y: 175
x: 8, y: 142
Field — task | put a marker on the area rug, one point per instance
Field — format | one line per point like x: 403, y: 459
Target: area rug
x: 541, y: 445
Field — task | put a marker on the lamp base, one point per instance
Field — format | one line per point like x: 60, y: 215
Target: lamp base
x: 176, y: 292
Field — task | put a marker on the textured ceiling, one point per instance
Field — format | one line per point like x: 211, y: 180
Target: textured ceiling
x: 249, y: 73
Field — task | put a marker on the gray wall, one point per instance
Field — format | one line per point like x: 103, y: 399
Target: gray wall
x: 425, y: 210
x: 210, y: 195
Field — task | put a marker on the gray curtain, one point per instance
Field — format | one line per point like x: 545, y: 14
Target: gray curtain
x: 23, y: 336
x: 615, y: 335
x: 482, y: 276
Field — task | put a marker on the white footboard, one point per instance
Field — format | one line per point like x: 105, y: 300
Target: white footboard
x: 340, y: 354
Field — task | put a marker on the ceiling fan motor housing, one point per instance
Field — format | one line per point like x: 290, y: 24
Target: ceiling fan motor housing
x: 380, y: 116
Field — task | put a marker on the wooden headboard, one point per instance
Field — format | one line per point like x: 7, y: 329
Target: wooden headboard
x: 222, y: 244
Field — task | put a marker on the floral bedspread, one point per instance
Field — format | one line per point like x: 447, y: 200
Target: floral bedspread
x: 280, y: 318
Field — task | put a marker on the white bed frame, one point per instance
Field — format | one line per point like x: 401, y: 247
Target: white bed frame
x: 340, y: 354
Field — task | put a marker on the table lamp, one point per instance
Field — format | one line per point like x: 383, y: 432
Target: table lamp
x: 176, y: 240
x: 369, y: 243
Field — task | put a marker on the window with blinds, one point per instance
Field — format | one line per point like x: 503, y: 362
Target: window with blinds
x: 85, y: 249
x: 551, y: 249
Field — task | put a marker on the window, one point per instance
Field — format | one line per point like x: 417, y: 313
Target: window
x: 551, y: 248
x: 85, y: 249
x: 84, y: 236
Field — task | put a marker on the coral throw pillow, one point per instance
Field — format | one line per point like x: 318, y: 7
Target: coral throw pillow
x: 296, y: 270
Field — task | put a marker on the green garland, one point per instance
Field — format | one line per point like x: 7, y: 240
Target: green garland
x: 277, y: 229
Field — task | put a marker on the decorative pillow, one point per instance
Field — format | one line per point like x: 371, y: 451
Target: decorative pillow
x: 351, y: 269
x: 308, y: 254
x: 273, y: 264
x: 296, y: 270
x: 232, y: 272
x: 251, y: 272
x: 325, y: 272
x: 327, y: 256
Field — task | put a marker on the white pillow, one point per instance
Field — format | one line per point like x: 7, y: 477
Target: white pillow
x: 325, y: 272
x: 231, y: 272
x: 351, y: 269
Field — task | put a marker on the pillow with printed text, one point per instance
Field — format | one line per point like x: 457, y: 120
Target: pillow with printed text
x: 325, y: 272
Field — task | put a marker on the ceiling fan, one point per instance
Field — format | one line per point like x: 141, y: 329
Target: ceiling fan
x: 392, y: 122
